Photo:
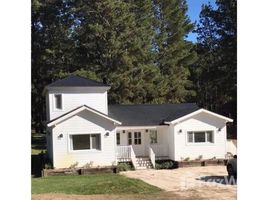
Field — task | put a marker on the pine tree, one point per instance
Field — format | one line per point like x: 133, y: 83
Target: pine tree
x: 174, y: 53
x: 215, y: 71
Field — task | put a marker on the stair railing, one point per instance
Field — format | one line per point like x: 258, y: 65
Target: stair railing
x: 133, y: 157
x: 152, y: 156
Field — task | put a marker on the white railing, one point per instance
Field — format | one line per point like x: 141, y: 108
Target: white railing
x: 133, y: 157
x: 124, y: 152
x: 152, y: 156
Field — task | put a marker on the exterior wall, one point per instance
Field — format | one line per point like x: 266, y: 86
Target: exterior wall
x: 84, y: 122
x: 200, y: 122
x: 95, y: 98
x: 231, y: 146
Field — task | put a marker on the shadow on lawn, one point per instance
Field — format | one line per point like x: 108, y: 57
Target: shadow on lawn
x: 225, y: 180
x: 37, y: 160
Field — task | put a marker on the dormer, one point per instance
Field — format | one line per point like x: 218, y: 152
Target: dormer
x: 69, y: 93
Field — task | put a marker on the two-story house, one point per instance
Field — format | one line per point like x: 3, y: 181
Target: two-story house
x: 82, y: 127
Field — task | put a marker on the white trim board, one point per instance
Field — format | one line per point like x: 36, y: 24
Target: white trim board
x: 197, y: 112
x: 60, y: 119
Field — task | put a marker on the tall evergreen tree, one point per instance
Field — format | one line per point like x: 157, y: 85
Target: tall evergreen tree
x: 174, y: 53
x: 215, y: 71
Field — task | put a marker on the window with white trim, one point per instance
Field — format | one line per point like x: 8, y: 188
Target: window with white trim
x: 118, y: 138
x: 129, y: 138
x: 137, y: 137
x: 153, y: 136
x: 58, y: 101
x: 85, y: 142
x: 200, y: 137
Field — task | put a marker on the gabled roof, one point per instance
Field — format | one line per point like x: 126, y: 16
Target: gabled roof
x: 78, y: 110
x: 174, y: 119
x: 150, y: 114
x: 77, y: 81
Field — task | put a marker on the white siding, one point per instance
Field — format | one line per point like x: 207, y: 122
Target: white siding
x: 231, y: 146
x: 200, y: 122
x: 84, y: 122
x: 95, y: 98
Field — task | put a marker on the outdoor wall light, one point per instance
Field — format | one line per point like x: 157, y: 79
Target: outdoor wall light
x: 146, y: 130
x: 124, y: 131
x: 180, y: 131
x: 219, y: 129
x: 107, y: 134
x: 60, y: 135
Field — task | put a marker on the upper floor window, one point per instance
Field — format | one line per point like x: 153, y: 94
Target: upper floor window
x: 58, y: 101
x: 200, y: 137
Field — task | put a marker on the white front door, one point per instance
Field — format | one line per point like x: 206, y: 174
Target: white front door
x: 136, y: 138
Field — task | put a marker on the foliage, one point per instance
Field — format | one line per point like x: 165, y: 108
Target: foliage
x: 167, y: 164
x: 92, y: 184
x: 74, y: 165
x: 125, y: 42
x: 215, y: 74
x: 124, y: 167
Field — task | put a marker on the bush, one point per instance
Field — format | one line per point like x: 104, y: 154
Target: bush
x: 124, y: 167
x: 168, y: 164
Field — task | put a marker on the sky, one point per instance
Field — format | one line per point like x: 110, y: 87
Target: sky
x: 194, y: 8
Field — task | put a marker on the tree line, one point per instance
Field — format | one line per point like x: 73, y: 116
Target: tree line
x: 140, y: 47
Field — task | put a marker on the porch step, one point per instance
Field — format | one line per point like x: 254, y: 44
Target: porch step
x: 143, y: 163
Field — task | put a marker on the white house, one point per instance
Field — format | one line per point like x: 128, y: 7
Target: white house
x: 82, y: 128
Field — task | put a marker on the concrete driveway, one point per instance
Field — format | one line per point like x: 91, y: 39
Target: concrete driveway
x: 208, y: 182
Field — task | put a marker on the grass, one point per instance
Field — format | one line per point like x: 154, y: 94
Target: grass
x: 91, y: 184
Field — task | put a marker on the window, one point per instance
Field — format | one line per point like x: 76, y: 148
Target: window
x: 58, y: 101
x: 137, y: 137
x: 200, y: 137
x: 118, y: 138
x: 153, y: 136
x: 85, y: 142
x: 129, y: 138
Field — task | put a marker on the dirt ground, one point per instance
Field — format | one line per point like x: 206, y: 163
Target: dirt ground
x: 195, y: 183
x: 209, y: 182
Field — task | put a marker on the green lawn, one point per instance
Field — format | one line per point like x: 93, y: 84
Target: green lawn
x: 91, y: 184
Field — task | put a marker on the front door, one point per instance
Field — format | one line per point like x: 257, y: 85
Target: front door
x: 136, y: 139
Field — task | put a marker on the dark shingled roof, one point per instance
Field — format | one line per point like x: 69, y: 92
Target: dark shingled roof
x: 149, y: 114
x: 77, y: 81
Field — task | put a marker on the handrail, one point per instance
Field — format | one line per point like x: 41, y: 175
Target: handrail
x: 133, y: 157
x: 152, y: 156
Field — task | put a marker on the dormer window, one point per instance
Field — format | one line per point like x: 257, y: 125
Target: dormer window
x: 58, y: 101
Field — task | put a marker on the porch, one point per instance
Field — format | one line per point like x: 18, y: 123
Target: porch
x: 142, y: 146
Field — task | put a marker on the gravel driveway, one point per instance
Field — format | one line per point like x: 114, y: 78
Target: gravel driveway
x: 209, y: 182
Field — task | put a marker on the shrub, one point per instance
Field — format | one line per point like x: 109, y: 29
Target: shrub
x: 73, y: 165
x: 187, y: 159
x: 169, y: 164
x: 48, y: 166
x: 124, y: 167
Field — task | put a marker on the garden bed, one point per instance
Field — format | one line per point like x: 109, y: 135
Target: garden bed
x: 198, y: 163
x: 78, y: 171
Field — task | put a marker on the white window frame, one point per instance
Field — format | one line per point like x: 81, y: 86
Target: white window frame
x: 84, y: 150
x: 201, y: 143
x: 153, y: 131
x: 54, y: 102
x: 137, y: 138
x: 118, y: 133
